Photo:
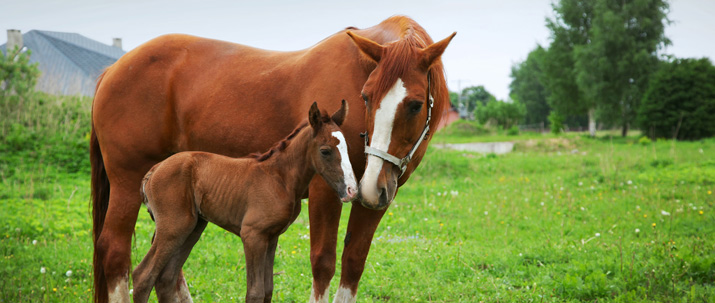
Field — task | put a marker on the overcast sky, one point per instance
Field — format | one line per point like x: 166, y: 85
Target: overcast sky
x: 491, y: 35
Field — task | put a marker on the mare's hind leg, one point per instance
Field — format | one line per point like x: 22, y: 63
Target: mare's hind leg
x: 113, y: 247
x: 171, y: 285
x: 170, y: 237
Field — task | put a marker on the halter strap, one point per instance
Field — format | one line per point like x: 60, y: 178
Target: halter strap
x: 402, y: 163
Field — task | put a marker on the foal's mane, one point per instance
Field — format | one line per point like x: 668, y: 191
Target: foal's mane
x: 282, y: 144
x: 399, y: 54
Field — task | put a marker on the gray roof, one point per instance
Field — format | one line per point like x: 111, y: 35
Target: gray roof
x: 70, y: 63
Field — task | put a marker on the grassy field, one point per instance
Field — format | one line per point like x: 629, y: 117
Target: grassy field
x: 561, y: 219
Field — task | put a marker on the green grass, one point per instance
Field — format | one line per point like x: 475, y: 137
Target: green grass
x: 554, y: 221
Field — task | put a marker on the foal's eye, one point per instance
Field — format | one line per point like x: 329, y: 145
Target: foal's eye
x: 326, y: 151
x: 364, y: 97
x: 414, y: 107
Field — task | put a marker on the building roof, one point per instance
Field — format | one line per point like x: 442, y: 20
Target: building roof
x: 70, y: 63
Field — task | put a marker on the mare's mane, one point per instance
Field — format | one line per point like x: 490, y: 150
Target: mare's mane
x: 282, y: 144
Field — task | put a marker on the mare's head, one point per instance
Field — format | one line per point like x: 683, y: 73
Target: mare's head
x: 398, y: 100
x: 328, y: 152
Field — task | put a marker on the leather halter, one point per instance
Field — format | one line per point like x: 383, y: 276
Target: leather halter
x: 402, y: 163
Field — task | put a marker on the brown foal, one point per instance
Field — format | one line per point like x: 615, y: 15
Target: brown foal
x: 254, y: 198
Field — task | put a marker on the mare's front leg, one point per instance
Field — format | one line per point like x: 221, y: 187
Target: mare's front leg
x: 268, y: 278
x: 324, y: 209
x: 255, y: 247
x: 361, y: 228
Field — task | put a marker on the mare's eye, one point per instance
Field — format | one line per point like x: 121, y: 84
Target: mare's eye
x: 414, y: 107
x: 364, y: 97
x: 325, y: 151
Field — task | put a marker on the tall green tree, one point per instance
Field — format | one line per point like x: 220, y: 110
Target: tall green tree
x: 528, y: 88
x: 614, y: 65
x: 570, y: 28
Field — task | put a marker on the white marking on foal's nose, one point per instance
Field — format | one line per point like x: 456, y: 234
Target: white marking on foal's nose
x: 382, y: 134
x: 348, y: 174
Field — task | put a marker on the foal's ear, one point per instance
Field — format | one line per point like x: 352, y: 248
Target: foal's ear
x: 314, y: 117
x: 339, y: 116
x: 434, y: 51
x: 367, y: 46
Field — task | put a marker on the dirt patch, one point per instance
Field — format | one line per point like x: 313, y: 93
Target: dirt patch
x: 548, y: 145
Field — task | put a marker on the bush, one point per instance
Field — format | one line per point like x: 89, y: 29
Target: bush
x: 644, y: 140
x: 557, y: 122
x: 680, y: 101
x: 504, y: 114
x: 513, y: 131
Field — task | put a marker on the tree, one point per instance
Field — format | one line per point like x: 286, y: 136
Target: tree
x: 613, y: 67
x: 503, y: 114
x: 527, y: 87
x: 17, y: 80
x: 569, y: 30
x: 472, y: 96
x: 680, y: 101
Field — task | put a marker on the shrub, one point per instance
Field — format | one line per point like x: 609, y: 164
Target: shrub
x: 644, y: 140
x: 557, y: 122
x: 513, y: 131
x: 680, y: 101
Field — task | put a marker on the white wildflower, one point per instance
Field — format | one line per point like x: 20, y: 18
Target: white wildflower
x: 131, y: 291
x: 638, y: 230
x: 580, y: 183
x: 664, y: 213
x: 630, y: 182
x: 598, y: 234
x: 486, y: 213
x: 68, y: 273
x: 43, y: 270
x: 34, y: 242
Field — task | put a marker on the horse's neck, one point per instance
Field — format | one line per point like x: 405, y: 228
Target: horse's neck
x: 292, y: 164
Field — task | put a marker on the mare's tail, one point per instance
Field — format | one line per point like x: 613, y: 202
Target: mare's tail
x: 100, y: 203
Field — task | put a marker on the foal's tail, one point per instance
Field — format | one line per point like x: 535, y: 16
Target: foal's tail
x: 100, y: 203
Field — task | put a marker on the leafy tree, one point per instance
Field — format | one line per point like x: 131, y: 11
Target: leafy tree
x: 613, y: 66
x: 17, y: 80
x: 569, y: 29
x: 527, y: 86
x: 680, y: 101
x: 454, y: 98
x: 503, y: 114
x: 471, y: 97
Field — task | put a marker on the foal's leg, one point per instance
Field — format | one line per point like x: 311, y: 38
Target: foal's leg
x: 255, y: 246
x: 268, y: 278
x: 170, y: 237
x: 171, y: 285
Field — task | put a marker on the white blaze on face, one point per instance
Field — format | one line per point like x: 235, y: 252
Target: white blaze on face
x: 382, y: 133
x: 348, y: 174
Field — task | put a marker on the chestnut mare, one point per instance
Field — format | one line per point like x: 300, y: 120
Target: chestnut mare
x: 179, y: 93
x: 254, y: 198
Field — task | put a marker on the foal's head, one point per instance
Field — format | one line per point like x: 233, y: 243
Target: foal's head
x: 328, y: 152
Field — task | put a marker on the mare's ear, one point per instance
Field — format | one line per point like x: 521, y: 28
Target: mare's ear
x: 314, y: 117
x: 432, y: 52
x: 339, y: 116
x: 367, y: 46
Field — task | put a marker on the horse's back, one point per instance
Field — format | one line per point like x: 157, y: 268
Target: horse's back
x: 180, y: 92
